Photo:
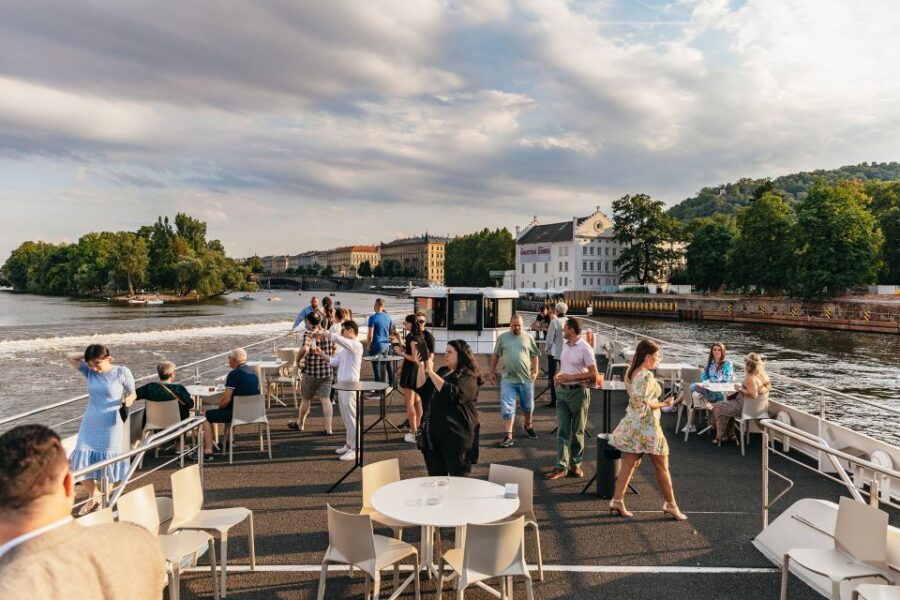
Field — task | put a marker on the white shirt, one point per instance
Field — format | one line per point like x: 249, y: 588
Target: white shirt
x: 348, y: 358
x: 32, y: 534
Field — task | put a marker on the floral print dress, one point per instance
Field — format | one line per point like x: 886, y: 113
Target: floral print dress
x: 639, y: 431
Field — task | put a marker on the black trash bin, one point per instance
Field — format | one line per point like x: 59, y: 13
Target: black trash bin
x: 609, y: 461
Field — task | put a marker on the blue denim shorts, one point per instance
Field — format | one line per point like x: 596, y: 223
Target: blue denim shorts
x: 510, y: 392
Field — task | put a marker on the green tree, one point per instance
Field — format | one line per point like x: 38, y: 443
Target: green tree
x: 469, y: 259
x: 391, y: 268
x: 889, y: 221
x: 365, y: 269
x: 191, y: 230
x: 378, y: 271
x: 763, y: 253
x: 711, y: 241
x: 255, y: 264
x: 22, y: 266
x: 838, y: 240
x: 328, y: 271
x: 130, y: 259
x: 649, y: 236
x: 93, y: 255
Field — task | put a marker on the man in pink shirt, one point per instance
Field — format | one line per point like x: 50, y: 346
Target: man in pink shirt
x: 577, y: 373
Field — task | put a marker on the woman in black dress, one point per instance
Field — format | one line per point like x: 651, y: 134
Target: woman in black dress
x: 450, y: 422
x: 423, y: 342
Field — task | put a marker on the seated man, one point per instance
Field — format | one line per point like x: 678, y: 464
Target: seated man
x: 241, y: 381
x: 44, y: 553
x: 165, y: 390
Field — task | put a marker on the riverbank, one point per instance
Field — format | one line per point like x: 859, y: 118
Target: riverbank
x: 871, y: 314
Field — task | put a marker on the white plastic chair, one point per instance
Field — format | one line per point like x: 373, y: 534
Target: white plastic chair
x: 97, y: 517
x: 162, y: 414
x: 524, y: 478
x: 688, y: 377
x: 617, y: 370
x: 375, y: 476
x: 249, y: 410
x: 287, y: 373
x: 188, y: 515
x: 495, y: 550
x: 753, y: 410
x: 181, y: 550
x: 871, y: 591
x: 860, y: 549
x: 352, y: 542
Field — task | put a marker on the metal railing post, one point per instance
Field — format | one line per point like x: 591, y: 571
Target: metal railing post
x: 822, y: 407
x: 873, y: 491
x: 104, y: 487
x: 765, y: 479
x: 200, y: 451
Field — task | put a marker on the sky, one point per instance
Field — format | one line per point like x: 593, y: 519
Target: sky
x: 294, y: 125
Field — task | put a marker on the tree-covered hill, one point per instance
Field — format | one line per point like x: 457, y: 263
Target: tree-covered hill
x: 726, y: 199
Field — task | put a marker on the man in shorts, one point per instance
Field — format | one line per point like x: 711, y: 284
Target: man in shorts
x: 519, y: 354
x: 317, y: 372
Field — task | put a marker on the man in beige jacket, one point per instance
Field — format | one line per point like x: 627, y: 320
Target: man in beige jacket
x: 44, y: 553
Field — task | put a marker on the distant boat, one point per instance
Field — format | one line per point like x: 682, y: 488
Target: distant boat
x: 137, y: 301
x: 246, y: 297
x: 274, y: 299
x: 332, y: 294
x: 154, y: 302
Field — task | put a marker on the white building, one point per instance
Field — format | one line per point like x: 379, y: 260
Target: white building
x: 573, y: 255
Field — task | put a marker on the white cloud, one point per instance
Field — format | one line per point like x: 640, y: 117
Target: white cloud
x: 256, y: 116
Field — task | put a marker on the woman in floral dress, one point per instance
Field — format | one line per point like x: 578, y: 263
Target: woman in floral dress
x: 639, y: 432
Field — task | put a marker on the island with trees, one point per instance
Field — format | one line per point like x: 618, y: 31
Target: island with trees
x: 171, y: 260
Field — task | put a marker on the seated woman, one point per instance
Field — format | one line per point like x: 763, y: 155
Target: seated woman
x: 166, y: 389
x: 755, y: 383
x: 718, y: 369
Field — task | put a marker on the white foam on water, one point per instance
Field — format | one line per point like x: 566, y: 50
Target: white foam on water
x: 77, y: 342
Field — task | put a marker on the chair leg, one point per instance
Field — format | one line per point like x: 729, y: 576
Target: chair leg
x: 376, y: 586
x: 440, y: 578
x: 537, y: 541
x: 509, y: 587
x: 323, y: 575
x: 785, y: 573
x: 230, y: 445
x: 223, y: 570
x: 416, y: 575
x: 368, y: 587
x: 529, y: 589
x: 181, y: 451
x: 173, y: 585
x: 259, y: 431
x: 678, y: 416
x: 252, y: 542
x: 212, y: 568
x: 396, y: 576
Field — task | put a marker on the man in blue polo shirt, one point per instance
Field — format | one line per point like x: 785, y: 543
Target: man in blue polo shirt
x: 377, y: 339
x: 241, y: 381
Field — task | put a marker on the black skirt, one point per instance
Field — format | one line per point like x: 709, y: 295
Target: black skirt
x: 408, y: 374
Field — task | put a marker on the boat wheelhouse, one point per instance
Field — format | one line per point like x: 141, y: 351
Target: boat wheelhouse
x: 475, y: 315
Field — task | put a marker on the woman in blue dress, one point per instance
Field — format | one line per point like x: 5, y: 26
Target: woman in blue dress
x: 101, y: 432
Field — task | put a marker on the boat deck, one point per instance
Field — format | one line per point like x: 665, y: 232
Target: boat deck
x: 587, y: 552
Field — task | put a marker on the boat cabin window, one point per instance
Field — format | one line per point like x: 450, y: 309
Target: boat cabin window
x: 497, y: 312
x: 435, y: 310
x: 464, y: 312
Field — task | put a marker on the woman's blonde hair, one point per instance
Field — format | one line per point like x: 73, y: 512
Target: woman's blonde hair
x: 755, y: 365
x: 165, y: 369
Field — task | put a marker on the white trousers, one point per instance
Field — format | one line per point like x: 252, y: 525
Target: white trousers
x: 347, y: 403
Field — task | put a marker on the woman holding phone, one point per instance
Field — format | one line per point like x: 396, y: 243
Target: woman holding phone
x: 102, y: 428
x: 415, y: 347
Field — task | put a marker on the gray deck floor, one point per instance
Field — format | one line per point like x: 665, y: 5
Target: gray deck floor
x: 649, y: 556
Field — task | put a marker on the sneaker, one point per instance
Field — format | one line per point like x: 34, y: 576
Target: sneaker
x: 506, y: 443
x: 530, y: 432
x: 342, y: 450
x: 348, y: 455
x: 409, y: 437
x: 669, y: 409
x: 688, y: 429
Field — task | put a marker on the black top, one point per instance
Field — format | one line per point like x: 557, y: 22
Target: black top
x: 451, y: 417
x: 159, y: 392
x: 429, y: 343
x: 243, y: 381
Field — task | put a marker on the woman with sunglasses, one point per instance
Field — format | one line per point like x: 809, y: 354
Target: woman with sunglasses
x: 417, y: 347
x: 102, y: 428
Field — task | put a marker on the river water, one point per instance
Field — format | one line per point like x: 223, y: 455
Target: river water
x: 36, y: 332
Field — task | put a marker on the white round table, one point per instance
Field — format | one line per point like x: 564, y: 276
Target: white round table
x: 464, y: 501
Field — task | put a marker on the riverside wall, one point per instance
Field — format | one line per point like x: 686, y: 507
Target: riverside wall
x: 866, y: 313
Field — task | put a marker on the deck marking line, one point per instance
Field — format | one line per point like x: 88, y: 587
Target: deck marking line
x: 652, y: 570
